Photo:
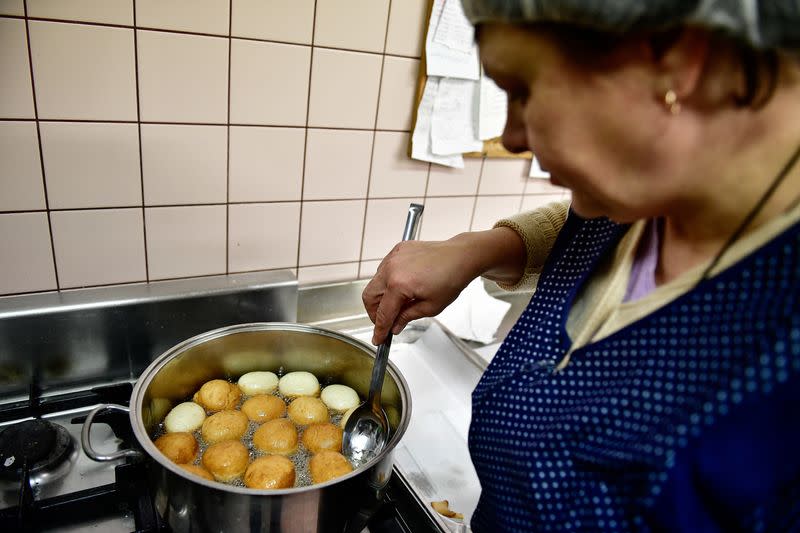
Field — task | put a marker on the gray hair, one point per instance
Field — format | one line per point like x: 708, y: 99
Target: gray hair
x: 763, y: 24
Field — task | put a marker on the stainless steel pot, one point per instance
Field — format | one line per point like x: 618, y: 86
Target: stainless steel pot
x: 189, y: 503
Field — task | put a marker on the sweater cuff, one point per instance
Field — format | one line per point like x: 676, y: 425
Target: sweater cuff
x: 538, y: 230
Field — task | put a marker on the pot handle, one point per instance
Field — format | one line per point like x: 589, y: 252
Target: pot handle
x: 86, y: 441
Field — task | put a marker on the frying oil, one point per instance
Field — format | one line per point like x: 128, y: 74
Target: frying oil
x: 300, y: 458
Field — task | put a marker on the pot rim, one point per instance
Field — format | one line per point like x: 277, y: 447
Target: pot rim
x: 147, y: 444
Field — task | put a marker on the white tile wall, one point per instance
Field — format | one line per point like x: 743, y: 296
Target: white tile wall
x: 21, y: 171
x: 269, y: 83
x: 184, y: 164
x: 98, y: 247
x: 266, y: 164
x: 108, y: 11
x: 15, y: 72
x: 182, y: 78
x: 344, y: 89
x: 83, y: 72
x: 91, y: 164
x: 275, y: 20
x: 158, y: 139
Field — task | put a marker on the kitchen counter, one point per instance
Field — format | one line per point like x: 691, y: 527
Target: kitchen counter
x: 441, y: 372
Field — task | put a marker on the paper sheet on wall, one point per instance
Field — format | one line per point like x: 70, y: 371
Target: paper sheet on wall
x: 454, y: 118
x: 493, y: 109
x: 421, y: 139
x: 536, y: 171
x: 441, y: 59
x: 453, y: 29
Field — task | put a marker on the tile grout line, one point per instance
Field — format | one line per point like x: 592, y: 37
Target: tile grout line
x: 41, y: 150
x: 374, y: 135
x: 201, y: 34
x: 228, y: 150
x: 264, y: 202
x: 165, y: 123
x: 475, y: 201
x: 141, y: 156
x: 305, y: 140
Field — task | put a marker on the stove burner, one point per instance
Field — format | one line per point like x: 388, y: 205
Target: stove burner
x: 39, y: 444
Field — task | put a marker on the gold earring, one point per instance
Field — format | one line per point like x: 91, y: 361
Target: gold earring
x: 671, y: 102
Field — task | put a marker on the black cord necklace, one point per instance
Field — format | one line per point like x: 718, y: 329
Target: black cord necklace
x: 753, y: 212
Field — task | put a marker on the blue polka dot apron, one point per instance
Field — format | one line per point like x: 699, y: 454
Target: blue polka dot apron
x: 685, y: 420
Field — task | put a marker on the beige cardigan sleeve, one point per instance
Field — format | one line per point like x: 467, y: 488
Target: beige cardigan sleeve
x: 538, y: 230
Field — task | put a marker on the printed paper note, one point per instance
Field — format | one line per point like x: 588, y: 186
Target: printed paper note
x: 454, y: 114
x: 421, y: 139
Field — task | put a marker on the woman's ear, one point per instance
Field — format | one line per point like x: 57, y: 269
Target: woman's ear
x: 681, y: 61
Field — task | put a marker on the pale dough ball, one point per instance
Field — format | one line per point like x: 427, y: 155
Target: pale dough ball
x: 276, y: 436
x: 225, y: 425
x: 270, y: 472
x: 254, y: 383
x: 185, y: 417
x: 327, y: 465
x: 320, y: 437
x: 340, y: 398
x: 198, y: 471
x: 296, y: 384
x: 306, y: 410
x: 264, y: 407
x: 217, y: 395
x: 226, y: 460
x: 346, y: 417
x: 178, y: 447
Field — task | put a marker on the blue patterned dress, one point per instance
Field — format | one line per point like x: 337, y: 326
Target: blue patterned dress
x: 685, y: 420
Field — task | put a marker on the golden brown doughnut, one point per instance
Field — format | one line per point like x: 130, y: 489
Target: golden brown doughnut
x: 276, y: 436
x: 264, y: 407
x: 325, y: 436
x: 226, y: 460
x: 178, y: 447
x: 198, y: 471
x: 218, y: 394
x: 270, y: 472
x: 327, y: 465
x: 225, y: 425
x: 307, y: 410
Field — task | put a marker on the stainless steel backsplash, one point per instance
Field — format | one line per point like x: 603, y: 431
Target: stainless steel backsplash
x: 62, y: 340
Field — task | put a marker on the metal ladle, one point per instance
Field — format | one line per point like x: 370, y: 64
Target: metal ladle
x: 367, y: 430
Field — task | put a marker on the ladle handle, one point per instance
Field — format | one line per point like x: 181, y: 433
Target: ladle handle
x: 382, y: 357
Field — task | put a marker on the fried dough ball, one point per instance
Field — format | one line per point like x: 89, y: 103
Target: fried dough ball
x: 296, y: 384
x: 218, y: 394
x: 270, y: 472
x: 327, y: 465
x: 340, y: 398
x: 225, y: 425
x: 346, y: 417
x: 306, y: 410
x: 198, y: 471
x: 254, y: 383
x: 184, y: 418
x: 276, y: 436
x: 226, y: 460
x: 320, y: 437
x: 178, y: 447
x: 264, y: 407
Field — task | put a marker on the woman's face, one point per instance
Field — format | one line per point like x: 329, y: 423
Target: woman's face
x: 597, y: 130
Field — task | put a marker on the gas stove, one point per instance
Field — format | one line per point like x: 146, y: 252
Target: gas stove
x: 63, y: 354
x: 49, y: 484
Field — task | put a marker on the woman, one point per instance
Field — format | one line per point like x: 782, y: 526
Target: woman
x: 652, y: 382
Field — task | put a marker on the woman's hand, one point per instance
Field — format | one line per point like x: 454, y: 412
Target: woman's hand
x: 418, y: 279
